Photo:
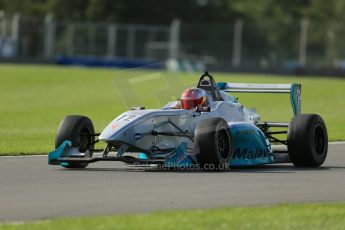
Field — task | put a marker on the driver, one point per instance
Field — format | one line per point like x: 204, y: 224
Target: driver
x: 193, y: 97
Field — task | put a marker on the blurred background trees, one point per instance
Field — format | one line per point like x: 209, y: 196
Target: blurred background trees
x: 271, y: 31
x: 162, y: 12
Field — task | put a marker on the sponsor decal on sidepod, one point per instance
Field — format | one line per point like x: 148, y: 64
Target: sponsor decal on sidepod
x: 251, y: 154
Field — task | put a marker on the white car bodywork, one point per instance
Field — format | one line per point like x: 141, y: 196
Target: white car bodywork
x: 135, y: 127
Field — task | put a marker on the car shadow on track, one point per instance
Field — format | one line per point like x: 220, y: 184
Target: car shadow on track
x: 253, y: 169
x: 278, y: 169
x: 281, y: 168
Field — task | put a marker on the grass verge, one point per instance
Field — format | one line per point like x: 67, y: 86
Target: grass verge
x: 34, y: 99
x: 286, y: 216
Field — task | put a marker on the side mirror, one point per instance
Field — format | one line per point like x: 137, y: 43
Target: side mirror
x: 137, y: 108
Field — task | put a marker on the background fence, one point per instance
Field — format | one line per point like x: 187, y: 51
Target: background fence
x: 298, y: 45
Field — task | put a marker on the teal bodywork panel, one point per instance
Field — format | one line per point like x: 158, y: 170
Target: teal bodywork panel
x: 249, y: 146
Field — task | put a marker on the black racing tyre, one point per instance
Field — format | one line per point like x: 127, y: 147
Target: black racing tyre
x: 75, y: 129
x: 307, y: 140
x: 213, y: 143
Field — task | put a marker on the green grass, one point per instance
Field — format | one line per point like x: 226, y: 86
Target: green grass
x: 34, y: 99
x: 287, y: 216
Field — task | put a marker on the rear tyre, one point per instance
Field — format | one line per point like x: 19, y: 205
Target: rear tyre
x: 213, y: 144
x: 307, y: 140
x: 80, y: 131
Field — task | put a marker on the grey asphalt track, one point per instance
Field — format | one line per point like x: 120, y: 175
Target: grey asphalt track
x: 32, y: 190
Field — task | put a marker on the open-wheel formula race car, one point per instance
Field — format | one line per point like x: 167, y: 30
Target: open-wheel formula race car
x: 207, y: 128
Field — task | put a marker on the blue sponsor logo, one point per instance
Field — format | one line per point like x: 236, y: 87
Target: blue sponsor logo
x: 251, y: 154
x: 245, y: 132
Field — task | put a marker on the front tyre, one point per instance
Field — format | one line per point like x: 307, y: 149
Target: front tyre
x: 213, y: 143
x: 80, y: 131
x: 307, y: 140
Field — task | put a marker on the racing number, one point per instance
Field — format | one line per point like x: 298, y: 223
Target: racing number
x: 126, y: 117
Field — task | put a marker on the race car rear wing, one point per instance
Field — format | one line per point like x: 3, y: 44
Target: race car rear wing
x: 293, y: 89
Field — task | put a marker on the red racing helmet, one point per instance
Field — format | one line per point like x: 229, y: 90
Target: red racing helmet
x: 193, y: 97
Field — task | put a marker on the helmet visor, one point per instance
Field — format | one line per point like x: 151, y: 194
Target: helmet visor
x: 192, y: 103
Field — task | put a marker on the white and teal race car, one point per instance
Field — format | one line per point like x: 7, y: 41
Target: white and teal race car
x: 216, y: 134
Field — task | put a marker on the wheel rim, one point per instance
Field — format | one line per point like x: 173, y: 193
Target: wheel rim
x: 319, y: 140
x: 223, y: 143
x: 84, y: 141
